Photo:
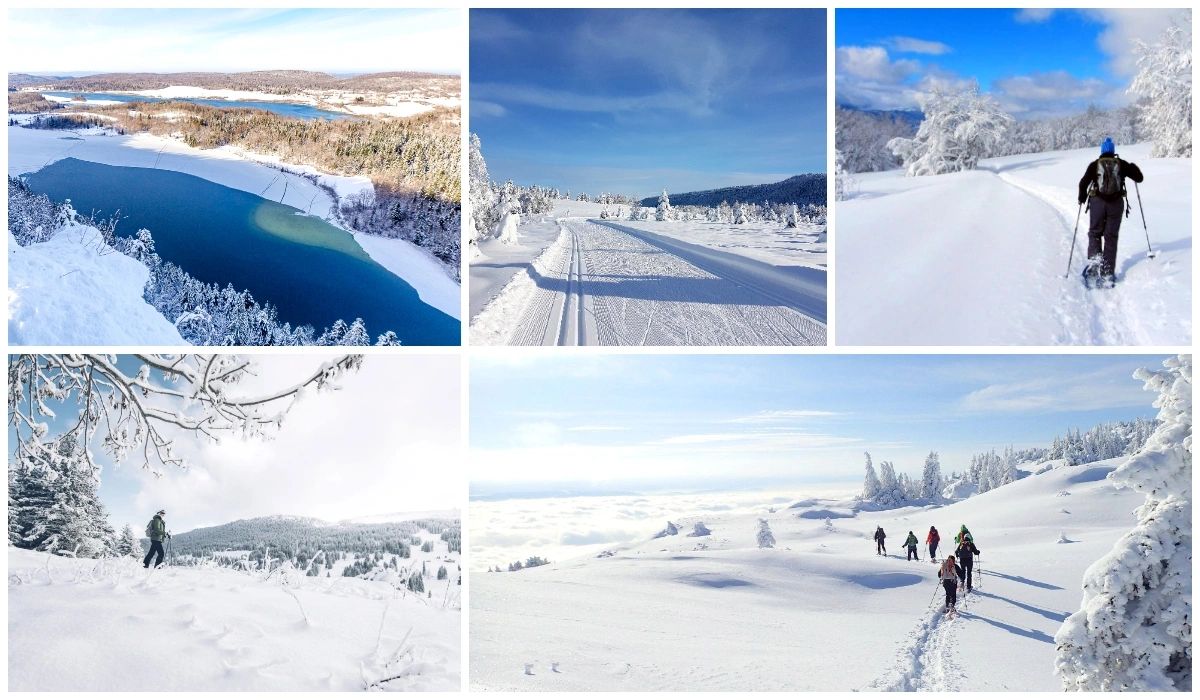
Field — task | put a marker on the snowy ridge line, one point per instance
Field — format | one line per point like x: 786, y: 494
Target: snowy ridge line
x: 925, y: 662
x: 806, y: 296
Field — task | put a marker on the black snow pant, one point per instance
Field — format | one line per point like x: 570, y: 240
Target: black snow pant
x: 912, y: 553
x: 879, y: 547
x: 155, y: 548
x: 933, y: 551
x: 967, y: 566
x: 951, y: 587
x: 1102, y: 234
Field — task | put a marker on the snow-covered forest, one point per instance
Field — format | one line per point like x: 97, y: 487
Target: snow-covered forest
x: 202, y: 313
x: 961, y: 126
x: 991, y: 469
x: 492, y: 202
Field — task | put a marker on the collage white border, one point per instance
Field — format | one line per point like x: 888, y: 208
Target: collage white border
x: 465, y: 351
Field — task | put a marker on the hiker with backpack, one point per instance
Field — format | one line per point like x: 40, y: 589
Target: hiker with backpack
x: 1102, y: 187
x: 932, y: 540
x: 963, y: 533
x: 156, y: 530
x: 949, y: 575
x: 880, y: 536
x: 911, y: 544
x: 966, y: 554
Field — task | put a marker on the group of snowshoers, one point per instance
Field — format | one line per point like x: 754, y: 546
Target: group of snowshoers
x: 955, y: 571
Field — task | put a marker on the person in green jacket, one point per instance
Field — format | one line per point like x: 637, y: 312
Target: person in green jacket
x: 963, y: 535
x: 911, y: 544
x: 156, y: 530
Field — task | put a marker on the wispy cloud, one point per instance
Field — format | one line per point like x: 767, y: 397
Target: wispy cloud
x: 1061, y: 392
x: 908, y: 44
x: 780, y: 416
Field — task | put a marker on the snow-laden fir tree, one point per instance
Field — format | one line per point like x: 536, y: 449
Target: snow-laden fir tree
x: 931, y: 478
x: 61, y: 510
x: 1134, y: 629
x: 766, y: 540
x: 890, y: 495
x: 871, y: 485
x: 1164, y: 82
x: 663, y: 211
x: 842, y: 181
x: 793, y: 217
x: 130, y: 545
x: 959, y: 129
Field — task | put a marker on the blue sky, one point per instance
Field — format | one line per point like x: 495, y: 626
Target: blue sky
x: 1037, y: 63
x: 387, y: 442
x: 600, y: 424
x: 632, y: 101
x: 81, y: 41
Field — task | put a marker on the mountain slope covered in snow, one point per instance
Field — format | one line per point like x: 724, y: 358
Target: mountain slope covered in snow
x: 819, y: 610
x: 979, y: 257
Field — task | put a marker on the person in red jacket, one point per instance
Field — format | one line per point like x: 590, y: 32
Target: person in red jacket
x: 932, y: 540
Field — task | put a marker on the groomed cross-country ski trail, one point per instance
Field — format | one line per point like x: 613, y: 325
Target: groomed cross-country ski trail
x: 602, y: 283
x: 979, y: 257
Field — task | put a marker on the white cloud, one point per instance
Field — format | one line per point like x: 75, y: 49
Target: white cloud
x: 873, y: 63
x: 387, y: 442
x: 1103, y: 389
x: 1056, y: 93
x: 1124, y: 28
x: 908, y: 44
x: 778, y: 416
x: 1033, y: 15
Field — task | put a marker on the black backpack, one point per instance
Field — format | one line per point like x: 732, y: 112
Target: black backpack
x: 1108, y: 177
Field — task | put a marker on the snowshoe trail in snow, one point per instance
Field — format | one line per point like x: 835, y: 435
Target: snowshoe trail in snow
x: 601, y: 285
x: 926, y: 661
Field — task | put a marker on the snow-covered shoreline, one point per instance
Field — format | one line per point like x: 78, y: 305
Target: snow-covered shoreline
x: 266, y: 176
x: 335, y: 101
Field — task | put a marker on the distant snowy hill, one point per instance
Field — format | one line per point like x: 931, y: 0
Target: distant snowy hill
x: 798, y: 189
x: 817, y: 611
x: 283, y: 532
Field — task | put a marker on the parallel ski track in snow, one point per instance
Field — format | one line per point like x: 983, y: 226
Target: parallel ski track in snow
x: 1087, y: 316
x: 601, y: 285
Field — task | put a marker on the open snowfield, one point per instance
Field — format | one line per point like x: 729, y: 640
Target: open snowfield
x: 978, y: 257
x: 74, y: 288
x: 820, y: 611
x: 30, y: 150
x: 608, y: 282
x: 84, y: 625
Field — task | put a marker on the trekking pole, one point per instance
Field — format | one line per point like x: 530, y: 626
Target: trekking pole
x: 1074, y: 235
x: 935, y: 592
x: 1149, y: 251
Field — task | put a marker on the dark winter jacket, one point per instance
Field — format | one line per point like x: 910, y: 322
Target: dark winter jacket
x: 1125, y: 168
x: 879, y: 534
x: 966, y: 552
x: 157, y: 529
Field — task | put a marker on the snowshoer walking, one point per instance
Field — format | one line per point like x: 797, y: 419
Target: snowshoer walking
x: 880, y: 536
x: 911, y: 543
x: 963, y: 533
x: 1103, y: 188
x: 966, y: 554
x: 949, y: 574
x: 156, y: 530
x: 932, y: 540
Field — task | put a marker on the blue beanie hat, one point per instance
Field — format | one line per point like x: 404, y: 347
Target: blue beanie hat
x: 1107, y: 148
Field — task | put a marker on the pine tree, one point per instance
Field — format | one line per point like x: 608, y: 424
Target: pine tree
x: 931, y: 479
x: 130, y: 545
x: 1134, y: 629
x: 71, y: 519
x: 871, y: 485
x: 1164, y: 82
x: 663, y: 211
x: 766, y: 539
x: 888, y: 486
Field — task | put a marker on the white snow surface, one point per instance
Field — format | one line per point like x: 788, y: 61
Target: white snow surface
x: 819, y: 611
x: 611, y: 282
x: 84, y: 625
x: 978, y: 257
x: 33, y: 149
x: 75, y: 290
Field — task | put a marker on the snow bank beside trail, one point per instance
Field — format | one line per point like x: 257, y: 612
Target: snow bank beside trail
x: 419, y: 268
x: 771, y: 243
x: 83, y: 625
x: 75, y: 290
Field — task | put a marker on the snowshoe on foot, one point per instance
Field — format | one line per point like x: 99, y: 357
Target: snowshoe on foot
x: 1091, y: 275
